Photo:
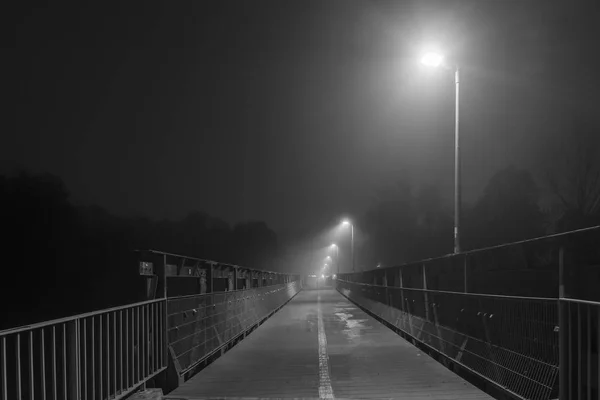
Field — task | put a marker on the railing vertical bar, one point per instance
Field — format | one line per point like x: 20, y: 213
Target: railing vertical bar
x: 84, y: 369
x: 64, y: 356
x: 132, y: 347
x: 100, y: 351
x: 148, y: 340
x: 78, y: 357
x: 31, y: 375
x: 127, y: 348
x: 93, y: 363
x: 121, y: 349
x: 155, y: 335
x: 143, y: 342
x: 18, y: 366
x: 579, y: 366
x: 107, y: 356
x: 54, y: 366
x: 598, y: 351
x: 4, y: 377
x: 162, y: 325
x: 115, y: 352
x: 569, y: 350
x: 161, y: 332
x: 153, y: 326
x: 589, y: 351
x: 137, y: 311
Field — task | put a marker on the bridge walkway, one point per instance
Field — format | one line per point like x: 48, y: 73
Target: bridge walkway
x: 320, y: 345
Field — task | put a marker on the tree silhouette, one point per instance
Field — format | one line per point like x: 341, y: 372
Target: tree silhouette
x: 507, y: 212
x: 405, y: 225
x: 389, y: 224
x: 434, y: 224
x: 61, y: 259
x: 574, y: 178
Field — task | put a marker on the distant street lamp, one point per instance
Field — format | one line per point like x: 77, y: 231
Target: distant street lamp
x: 437, y: 60
x: 346, y: 223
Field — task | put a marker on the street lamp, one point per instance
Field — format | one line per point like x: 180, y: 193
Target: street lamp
x: 337, y: 256
x: 432, y: 59
x: 436, y: 60
x: 346, y: 223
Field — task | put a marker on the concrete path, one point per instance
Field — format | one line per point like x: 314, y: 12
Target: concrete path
x: 322, y: 346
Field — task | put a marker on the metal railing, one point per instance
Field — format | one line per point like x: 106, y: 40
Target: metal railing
x: 580, y: 344
x: 472, y: 308
x: 100, y: 355
x: 110, y: 353
x: 510, y: 341
x: 200, y: 325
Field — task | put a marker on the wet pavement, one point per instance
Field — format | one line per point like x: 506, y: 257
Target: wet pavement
x: 320, y: 345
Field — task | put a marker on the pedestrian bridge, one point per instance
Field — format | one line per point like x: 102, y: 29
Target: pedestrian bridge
x: 516, y: 321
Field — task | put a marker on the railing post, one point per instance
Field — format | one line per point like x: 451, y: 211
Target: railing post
x: 231, y: 279
x: 465, y: 270
x: 73, y: 354
x: 563, y: 326
x: 387, y: 292
x: 162, y: 273
x: 401, y: 289
x: 425, y: 294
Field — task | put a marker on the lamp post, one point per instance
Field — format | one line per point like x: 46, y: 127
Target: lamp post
x: 437, y: 60
x: 337, y: 256
x: 345, y: 223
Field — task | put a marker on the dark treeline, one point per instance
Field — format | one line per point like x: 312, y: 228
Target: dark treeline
x: 60, y: 259
x: 406, y: 224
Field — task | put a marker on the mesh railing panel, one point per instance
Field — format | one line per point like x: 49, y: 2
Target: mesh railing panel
x: 510, y: 341
x: 201, y: 324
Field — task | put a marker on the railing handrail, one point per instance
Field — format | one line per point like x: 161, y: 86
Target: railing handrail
x: 452, y: 292
x: 214, y: 262
x: 38, y: 325
x: 581, y: 301
x: 468, y: 252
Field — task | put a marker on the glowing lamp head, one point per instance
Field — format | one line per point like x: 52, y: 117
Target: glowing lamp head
x: 432, y: 59
x: 323, y: 276
x: 345, y: 222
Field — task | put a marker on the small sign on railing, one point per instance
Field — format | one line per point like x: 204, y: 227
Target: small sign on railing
x: 146, y: 268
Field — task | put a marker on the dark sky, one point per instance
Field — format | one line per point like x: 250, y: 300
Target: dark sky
x: 290, y: 111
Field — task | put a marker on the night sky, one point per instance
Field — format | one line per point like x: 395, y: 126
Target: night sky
x: 291, y: 112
